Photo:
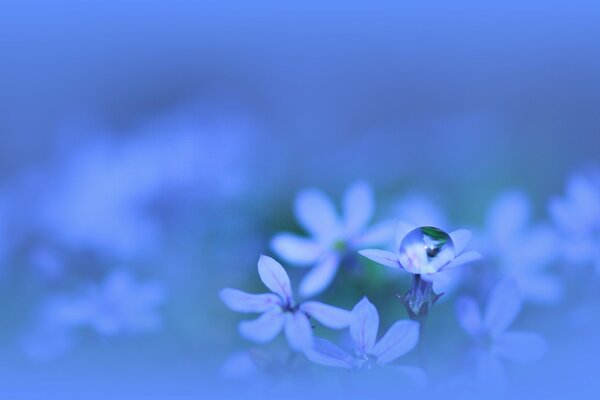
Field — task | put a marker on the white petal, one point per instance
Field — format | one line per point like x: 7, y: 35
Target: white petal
x: 296, y: 249
x: 330, y: 316
x: 401, y: 338
x: 264, y: 328
x: 320, y: 276
x: 364, y: 326
x: 316, y: 213
x: 460, y: 238
x: 240, y: 301
x: 298, y: 331
x: 382, y: 257
x: 326, y: 353
x: 464, y: 258
x: 358, y: 206
x: 503, y: 306
x: 275, y: 278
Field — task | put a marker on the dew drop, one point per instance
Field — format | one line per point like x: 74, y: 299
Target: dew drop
x: 426, y: 250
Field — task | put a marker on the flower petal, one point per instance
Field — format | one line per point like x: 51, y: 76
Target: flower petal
x: 381, y: 233
x: 316, y: 213
x: 330, y: 316
x: 401, y: 338
x: 264, y: 328
x: 240, y: 301
x: 460, y: 238
x: 364, y: 325
x: 296, y: 249
x: 469, y: 315
x: 382, y: 257
x: 464, y: 258
x: 502, y: 308
x: 298, y: 331
x: 445, y: 280
x: 326, y: 353
x: 320, y: 276
x: 358, y: 206
x: 521, y: 347
x: 275, y: 278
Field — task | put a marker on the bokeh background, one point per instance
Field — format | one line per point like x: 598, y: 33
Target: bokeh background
x: 149, y: 150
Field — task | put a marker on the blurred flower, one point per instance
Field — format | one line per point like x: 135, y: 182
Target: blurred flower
x: 420, y: 210
x: 428, y: 252
x: 401, y: 338
x: 332, y: 236
x: 279, y: 311
x: 577, y: 217
x: 493, y: 342
x: 520, y: 251
x: 118, y: 305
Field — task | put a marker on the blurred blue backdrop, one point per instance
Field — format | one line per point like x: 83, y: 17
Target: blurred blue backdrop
x: 149, y: 151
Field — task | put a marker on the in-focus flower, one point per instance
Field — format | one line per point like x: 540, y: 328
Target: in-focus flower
x: 426, y: 251
x: 332, y: 236
x: 279, y: 311
x: 493, y: 341
x: 522, y: 252
x: 401, y: 338
x: 577, y: 217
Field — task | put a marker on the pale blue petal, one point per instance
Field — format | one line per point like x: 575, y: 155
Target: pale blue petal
x: 402, y: 229
x: 264, y: 328
x: 364, y: 326
x: 275, y: 278
x: 445, y: 280
x: 469, y: 315
x: 585, y: 197
x: 464, y: 258
x: 320, y: 276
x: 326, y: 353
x: 379, y: 234
x: 298, y: 331
x: 507, y: 217
x: 460, y: 239
x: 401, y: 338
x: 317, y: 214
x: 502, y: 308
x: 358, y: 206
x: 330, y: 316
x: 240, y: 301
x: 523, y: 347
x: 296, y: 249
x: 382, y: 257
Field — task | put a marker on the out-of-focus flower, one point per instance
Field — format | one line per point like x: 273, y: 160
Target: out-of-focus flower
x: 521, y: 252
x: 401, y: 338
x: 331, y: 236
x: 577, y: 217
x: 428, y: 252
x: 118, y: 305
x: 492, y: 340
x: 279, y: 311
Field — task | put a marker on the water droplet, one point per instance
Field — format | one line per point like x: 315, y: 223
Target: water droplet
x: 426, y: 250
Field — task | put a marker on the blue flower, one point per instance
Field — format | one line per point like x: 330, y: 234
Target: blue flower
x: 401, y: 338
x: 493, y: 342
x: 577, y: 216
x: 331, y: 236
x: 416, y: 259
x: 522, y: 252
x: 279, y: 311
